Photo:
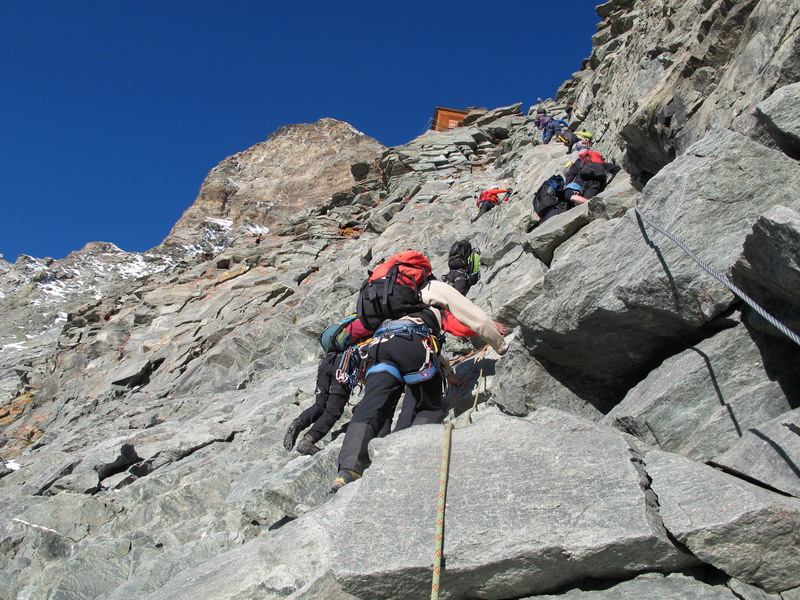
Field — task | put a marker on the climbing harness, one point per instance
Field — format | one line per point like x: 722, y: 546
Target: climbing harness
x: 720, y: 277
x: 407, y: 329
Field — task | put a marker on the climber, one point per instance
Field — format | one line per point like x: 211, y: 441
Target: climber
x: 568, y: 110
x: 464, y: 264
x: 589, y: 173
x: 548, y: 125
x: 408, y: 303
x: 576, y: 142
x: 551, y: 198
x: 408, y: 408
x: 331, y: 395
x: 488, y: 200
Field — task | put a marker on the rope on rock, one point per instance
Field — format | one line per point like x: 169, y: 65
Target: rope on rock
x: 720, y: 277
x: 443, y: 475
x: 480, y: 354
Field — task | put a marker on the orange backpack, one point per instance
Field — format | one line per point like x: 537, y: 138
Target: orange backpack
x: 392, y: 289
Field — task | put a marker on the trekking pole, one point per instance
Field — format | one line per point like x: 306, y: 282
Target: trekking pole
x: 444, y: 472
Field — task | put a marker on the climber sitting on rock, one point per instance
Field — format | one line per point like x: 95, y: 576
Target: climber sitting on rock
x: 406, y: 306
x: 588, y: 176
x: 488, y: 200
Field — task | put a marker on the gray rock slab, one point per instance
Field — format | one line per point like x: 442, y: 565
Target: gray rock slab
x: 701, y: 401
x: 768, y: 453
x: 593, y: 233
x: 73, y: 516
x: 271, y: 567
x: 615, y: 200
x: 547, y: 236
x: 748, y: 532
x: 506, y: 296
x: 651, y: 585
x: 532, y: 505
x: 750, y: 592
x: 769, y: 270
x: 301, y: 485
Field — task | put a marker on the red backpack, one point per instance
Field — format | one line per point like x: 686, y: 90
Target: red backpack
x: 392, y: 289
x: 591, y: 156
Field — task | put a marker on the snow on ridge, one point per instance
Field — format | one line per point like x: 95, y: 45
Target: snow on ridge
x: 224, y: 223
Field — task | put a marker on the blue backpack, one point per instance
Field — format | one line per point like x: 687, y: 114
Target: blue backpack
x: 335, y: 338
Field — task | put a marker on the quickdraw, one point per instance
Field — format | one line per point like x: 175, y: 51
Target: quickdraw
x: 352, y: 367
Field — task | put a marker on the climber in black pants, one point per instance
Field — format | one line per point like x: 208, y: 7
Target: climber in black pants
x: 331, y: 398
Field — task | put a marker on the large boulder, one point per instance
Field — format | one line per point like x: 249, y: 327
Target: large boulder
x: 578, y: 511
x: 748, y: 532
x: 768, y: 454
x: 701, y: 401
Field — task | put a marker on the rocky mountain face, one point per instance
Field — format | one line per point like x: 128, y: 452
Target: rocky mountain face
x: 641, y: 438
x: 298, y: 167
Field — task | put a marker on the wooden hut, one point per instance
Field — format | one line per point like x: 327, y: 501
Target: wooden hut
x: 447, y: 118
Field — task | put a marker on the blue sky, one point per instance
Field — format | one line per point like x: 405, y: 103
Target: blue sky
x: 113, y: 112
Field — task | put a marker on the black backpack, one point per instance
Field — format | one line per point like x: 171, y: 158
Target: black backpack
x: 459, y: 255
x: 592, y: 171
x: 549, y: 194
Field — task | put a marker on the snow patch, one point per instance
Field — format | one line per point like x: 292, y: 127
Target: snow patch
x: 13, y: 465
x: 254, y: 229
x: 15, y: 346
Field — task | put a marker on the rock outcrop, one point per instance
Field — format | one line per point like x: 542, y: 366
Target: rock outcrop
x: 639, y: 439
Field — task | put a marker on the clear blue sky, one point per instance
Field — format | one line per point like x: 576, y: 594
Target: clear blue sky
x: 112, y: 112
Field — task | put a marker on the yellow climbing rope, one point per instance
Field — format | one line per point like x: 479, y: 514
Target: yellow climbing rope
x: 443, y: 474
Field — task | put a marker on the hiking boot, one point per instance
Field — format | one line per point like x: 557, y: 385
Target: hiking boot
x: 345, y: 476
x: 291, y: 434
x: 307, y: 446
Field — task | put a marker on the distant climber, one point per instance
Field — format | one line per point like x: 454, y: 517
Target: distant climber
x: 548, y: 125
x: 589, y: 174
x: 331, y: 395
x: 464, y: 264
x: 488, y: 200
x: 407, y: 305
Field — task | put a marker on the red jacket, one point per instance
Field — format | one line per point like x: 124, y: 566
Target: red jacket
x: 452, y: 325
x: 490, y: 196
